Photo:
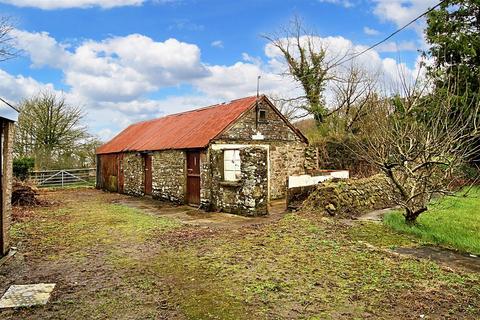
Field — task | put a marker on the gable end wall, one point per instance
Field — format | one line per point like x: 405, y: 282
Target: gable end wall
x: 288, y: 152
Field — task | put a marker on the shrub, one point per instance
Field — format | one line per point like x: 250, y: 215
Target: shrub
x: 338, y: 153
x: 22, y: 167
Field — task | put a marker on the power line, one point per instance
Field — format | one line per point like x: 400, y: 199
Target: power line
x: 8, y: 104
x: 395, y: 33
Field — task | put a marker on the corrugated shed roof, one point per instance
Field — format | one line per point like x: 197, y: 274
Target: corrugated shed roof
x: 191, y: 129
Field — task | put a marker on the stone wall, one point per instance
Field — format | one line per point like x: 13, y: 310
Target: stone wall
x: 350, y: 198
x: 7, y: 180
x: 205, y: 181
x: 134, y: 174
x: 311, y: 159
x: 169, y: 175
x: 286, y: 159
x: 273, y: 128
x: 249, y: 196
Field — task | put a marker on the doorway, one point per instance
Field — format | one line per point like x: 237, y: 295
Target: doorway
x: 147, y: 160
x: 193, y: 177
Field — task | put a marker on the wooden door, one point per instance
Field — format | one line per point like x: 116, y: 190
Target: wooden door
x: 193, y: 177
x: 147, y: 160
x: 121, y: 176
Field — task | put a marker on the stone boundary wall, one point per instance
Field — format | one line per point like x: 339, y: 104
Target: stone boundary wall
x: 350, y: 198
x: 300, y: 187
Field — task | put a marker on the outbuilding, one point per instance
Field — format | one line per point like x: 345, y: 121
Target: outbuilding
x: 233, y: 157
x: 8, y: 116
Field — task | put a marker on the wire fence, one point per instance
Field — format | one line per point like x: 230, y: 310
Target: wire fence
x: 63, y: 178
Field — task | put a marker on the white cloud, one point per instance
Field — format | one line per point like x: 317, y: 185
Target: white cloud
x: 344, y: 3
x: 401, y: 12
x: 42, y: 49
x: 118, y: 68
x: 16, y: 88
x: 371, y: 31
x: 254, y: 60
x: 64, y: 4
x: 217, y: 44
x: 240, y: 79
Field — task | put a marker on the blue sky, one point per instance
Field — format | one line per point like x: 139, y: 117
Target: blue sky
x: 129, y: 60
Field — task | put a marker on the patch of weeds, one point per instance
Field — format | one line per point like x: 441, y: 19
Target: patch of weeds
x: 78, y: 231
x: 200, y: 293
x: 262, y: 288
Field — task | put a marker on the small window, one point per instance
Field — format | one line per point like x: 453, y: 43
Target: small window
x: 262, y: 115
x: 231, y: 159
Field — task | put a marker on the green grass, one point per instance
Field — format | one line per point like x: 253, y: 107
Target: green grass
x: 80, y: 228
x: 452, y: 221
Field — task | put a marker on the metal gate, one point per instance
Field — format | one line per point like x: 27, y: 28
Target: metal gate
x: 64, y: 177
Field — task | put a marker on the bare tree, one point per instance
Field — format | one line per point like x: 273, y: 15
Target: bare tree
x: 7, y: 50
x: 288, y: 107
x: 417, y: 139
x: 309, y: 64
x: 354, y: 91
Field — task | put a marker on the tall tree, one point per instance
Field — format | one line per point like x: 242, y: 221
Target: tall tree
x: 453, y: 32
x: 453, y: 35
x: 309, y: 64
x: 48, y: 129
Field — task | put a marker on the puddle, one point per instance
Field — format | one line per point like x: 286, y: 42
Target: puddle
x: 445, y: 257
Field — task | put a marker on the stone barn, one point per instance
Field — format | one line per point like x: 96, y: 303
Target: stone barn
x: 8, y: 116
x: 233, y: 157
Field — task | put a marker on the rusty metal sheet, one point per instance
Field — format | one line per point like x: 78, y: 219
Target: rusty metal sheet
x: 191, y: 129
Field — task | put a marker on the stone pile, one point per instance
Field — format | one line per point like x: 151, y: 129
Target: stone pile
x: 350, y: 198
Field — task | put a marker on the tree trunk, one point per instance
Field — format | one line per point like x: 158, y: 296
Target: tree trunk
x: 412, y: 215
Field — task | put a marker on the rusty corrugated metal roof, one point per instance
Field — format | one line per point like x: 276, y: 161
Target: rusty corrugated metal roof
x: 191, y: 129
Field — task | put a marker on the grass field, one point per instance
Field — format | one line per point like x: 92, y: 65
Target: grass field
x: 114, y: 262
x: 452, y: 221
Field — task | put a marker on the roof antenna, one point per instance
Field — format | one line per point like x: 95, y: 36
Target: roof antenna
x: 258, y: 86
x: 256, y: 103
x: 257, y: 135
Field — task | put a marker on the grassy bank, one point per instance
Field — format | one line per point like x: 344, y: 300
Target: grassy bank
x: 453, y: 222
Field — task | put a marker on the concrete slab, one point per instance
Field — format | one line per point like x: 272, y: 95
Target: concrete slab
x: 26, y: 295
